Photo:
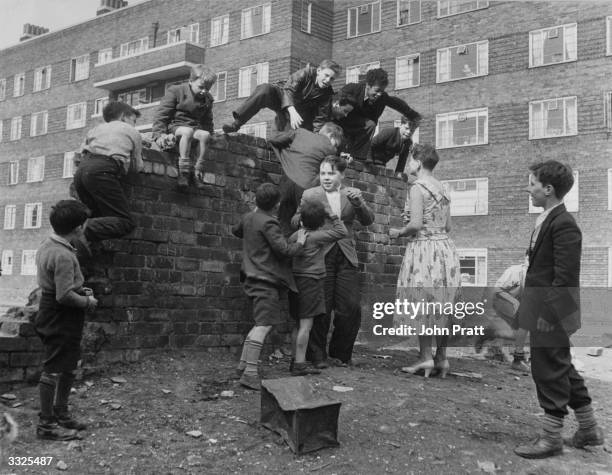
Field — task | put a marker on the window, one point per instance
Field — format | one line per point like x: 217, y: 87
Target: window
x: 610, y: 189
x: 10, y: 212
x: 570, y: 200
x: 19, y: 85
x: 42, y: 78
x: 2, y: 89
x: 462, y: 128
x: 7, y: 262
x: 407, y: 71
x: 473, y: 267
x: 357, y: 73
x: 75, y: 115
x: 189, y: 33
x: 28, y: 262
x: 134, y: 97
x: 469, y: 197
x: 454, y: 7
x: 135, y: 47
x: 306, y: 16
x: 608, y: 110
x: 463, y: 61
x: 256, y: 130
x: 79, y: 68
x: 608, y: 37
x: 16, y: 128
x: 363, y: 20
x: 219, y: 88
x: 13, y: 172
x: 553, y: 118
x: 219, y: 30
x: 1, y: 129
x: 36, y: 169
x: 69, y: 165
x: 255, y: 21
x: 105, y: 55
x: 250, y: 77
x: 38, y: 123
x: 610, y: 267
x: 32, y: 215
x: 99, y: 105
x: 408, y: 12
x: 553, y: 45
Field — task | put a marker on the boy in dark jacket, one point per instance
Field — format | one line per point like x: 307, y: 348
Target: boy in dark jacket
x: 297, y: 103
x: 267, y: 272
x: 186, y: 112
x: 60, y: 319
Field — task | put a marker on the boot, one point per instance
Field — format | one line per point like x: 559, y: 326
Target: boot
x: 49, y: 429
x: 583, y: 438
x: 229, y: 128
x: 303, y: 369
x: 60, y: 408
x: 548, y: 444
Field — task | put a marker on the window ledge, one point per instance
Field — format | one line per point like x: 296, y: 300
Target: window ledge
x: 364, y: 34
x: 462, y: 146
x: 407, y: 87
x: 254, y: 36
x: 146, y: 106
x: 553, y: 64
x: 461, y: 79
x: 439, y: 17
x: 409, y: 24
x: 220, y: 44
x: 553, y: 136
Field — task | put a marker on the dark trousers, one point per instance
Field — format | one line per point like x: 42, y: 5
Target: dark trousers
x: 558, y: 384
x: 264, y: 96
x: 291, y: 195
x: 342, y: 296
x: 97, y: 183
x: 358, y: 137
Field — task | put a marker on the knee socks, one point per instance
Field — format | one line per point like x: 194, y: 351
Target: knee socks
x: 585, y: 417
x: 552, y: 426
x: 46, y: 389
x: 252, y: 350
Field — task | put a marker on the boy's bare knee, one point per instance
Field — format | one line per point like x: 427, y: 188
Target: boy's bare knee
x: 202, y: 135
x: 186, y: 132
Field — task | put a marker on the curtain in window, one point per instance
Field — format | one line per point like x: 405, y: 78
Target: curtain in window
x: 443, y: 65
x: 537, y: 49
x: 570, y: 43
x: 247, y: 23
x: 570, y: 116
x: 537, y: 120
x: 267, y: 13
x: 483, y: 58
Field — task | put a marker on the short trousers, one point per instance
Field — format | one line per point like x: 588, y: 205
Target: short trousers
x: 266, y: 298
x: 310, y: 301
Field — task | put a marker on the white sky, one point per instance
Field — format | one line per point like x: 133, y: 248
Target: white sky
x: 52, y: 14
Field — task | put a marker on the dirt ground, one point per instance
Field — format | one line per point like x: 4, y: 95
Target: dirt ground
x: 389, y: 422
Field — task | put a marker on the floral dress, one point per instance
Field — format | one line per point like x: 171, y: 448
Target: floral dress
x: 430, y: 269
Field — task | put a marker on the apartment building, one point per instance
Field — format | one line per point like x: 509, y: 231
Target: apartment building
x: 500, y: 84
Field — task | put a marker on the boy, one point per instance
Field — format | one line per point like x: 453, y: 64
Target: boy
x: 186, y: 112
x: 266, y: 272
x: 300, y: 153
x: 392, y: 141
x: 550, y: 311
x: 297, y: 103
x: 309, y: 272
x: 110, y: 150
x: 60, y: 319
x: 342, y: 293
x: 359, y: 126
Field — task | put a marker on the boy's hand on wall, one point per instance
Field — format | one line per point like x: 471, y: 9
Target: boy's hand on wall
x: 294, y: 117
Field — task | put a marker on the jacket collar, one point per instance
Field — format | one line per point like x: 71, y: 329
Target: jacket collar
x: 556, y: 211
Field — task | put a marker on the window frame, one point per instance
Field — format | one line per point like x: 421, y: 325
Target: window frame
x: 224, y: 73
x: 544, y: 31
x: 475, y: 252
x: 479, y: 67
x: 308, y: 29
x: 189, y: 29
x: 21, y: 91
x: 124, y: 48
x: 104, y: 57
x: 609, y: 35
x: 256, y: 126
x: 259, y: 67
x: 366, y: 65
x: 13, y: 172
x: 357, y: 8
x: 10, y: 218
x: 16, y: 120
x: 458, y: 2
x: 31, y: 253
x: 98, y: 113
x: 266, y: 13
x: 569, y: 206
x: 68, y: 171
x: 30, y: 177
x: 1, y: 130
x: 465, y: 112
x: 397, y: 74
x: 397, y: 20
x: 532, y: 136
x: 74, y: 68
x: 609, y: 189
x: 34, y: 132
x: 2, y: 89
x: 224, y: 22
x: 77, y: 125
x: 28, y: 213
x: 608, y: 110
x: 476, y: 199
x: 38, y: 78
x: 7, y: 269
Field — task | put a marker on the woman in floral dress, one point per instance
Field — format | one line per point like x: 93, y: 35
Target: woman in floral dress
x: 430, y: 269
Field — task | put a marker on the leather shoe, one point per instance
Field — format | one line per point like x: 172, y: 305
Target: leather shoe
x: 251, y: 381
x: 582, y: 438
x: 320, y: 364
x: 540, y: 449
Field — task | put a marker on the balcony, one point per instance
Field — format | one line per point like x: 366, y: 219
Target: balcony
x: 155, y: 64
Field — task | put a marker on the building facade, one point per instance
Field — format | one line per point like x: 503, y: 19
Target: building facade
x: 500, y: 85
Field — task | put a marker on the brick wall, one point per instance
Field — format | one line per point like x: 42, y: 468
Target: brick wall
x: 174, y: 283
